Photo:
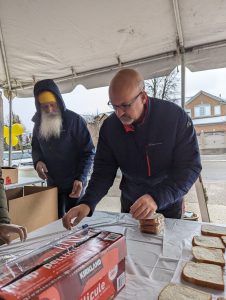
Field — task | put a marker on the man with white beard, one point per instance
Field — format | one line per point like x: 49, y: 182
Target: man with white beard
x: 62, y: 148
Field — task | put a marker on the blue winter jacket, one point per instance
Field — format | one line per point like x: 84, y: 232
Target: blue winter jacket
x: 160, y: 158
x: 69, y: 157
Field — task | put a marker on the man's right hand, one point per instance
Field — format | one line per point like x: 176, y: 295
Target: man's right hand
x: 7, y: 229
x: 79, y: 212
x: 41, y: 170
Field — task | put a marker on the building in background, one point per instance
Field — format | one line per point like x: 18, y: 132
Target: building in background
x: 208, y: 113
x: 94, y: 123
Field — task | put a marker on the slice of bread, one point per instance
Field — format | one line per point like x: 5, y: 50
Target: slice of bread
x: 209, y: 256
x: 213, y: 230
x: 224, y: 240
x: 207, y: 275
x: 181, y: 292
x: 154, y: 229
x: 208, y: 242
x: 154, y: 220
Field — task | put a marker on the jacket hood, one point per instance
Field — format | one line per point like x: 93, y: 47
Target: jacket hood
x: 48, y: 85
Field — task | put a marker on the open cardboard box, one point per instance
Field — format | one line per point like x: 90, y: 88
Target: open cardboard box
x: 10, y: 175
x: 32, y: 206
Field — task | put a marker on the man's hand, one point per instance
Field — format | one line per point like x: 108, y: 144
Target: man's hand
x: 143, y: 208
x: 41, y: 170
x: 7, y: 229
x: 76, y: 190
x: 79, y: 212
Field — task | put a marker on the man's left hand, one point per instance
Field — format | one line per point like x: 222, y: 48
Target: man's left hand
x: 76, y: 190
x: 143, y: 208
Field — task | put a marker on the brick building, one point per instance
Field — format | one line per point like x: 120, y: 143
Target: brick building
x: 208, y: 113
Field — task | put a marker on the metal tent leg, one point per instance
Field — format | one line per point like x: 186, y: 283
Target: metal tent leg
x: 200, y: 190
x: 202, y: 199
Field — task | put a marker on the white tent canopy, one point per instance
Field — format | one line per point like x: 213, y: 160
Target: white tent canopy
x: 85, y: 42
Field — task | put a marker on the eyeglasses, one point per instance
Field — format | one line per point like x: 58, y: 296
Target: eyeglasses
x: 53, y: 106
x: 125, y: 106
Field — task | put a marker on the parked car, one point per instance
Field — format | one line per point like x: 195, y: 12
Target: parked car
x: 19, y: 159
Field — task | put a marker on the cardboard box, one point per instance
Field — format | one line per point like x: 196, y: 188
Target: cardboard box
x: 10, y: 175
x: 32, y: 206
x: 81, y: 266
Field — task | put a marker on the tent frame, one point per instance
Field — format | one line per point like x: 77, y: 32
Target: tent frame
x: 181, y: 51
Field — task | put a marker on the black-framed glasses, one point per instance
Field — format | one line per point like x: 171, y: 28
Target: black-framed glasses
x: 125, y: 106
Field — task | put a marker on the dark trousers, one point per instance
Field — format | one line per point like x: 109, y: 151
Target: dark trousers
x: 65, y: 203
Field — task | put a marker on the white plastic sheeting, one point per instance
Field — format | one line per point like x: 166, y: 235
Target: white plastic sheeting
x: 87, y: 41
x: 152, y: 261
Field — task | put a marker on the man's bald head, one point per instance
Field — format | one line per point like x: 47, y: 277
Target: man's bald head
x: 127, y: 95
x: 125, y: 81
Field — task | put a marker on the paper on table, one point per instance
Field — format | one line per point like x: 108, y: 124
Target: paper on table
x: 142, y: 258
x: 134, y: 234
x: 138, y: 287
x: 177, y: 279
x: 187, y: 256
x: 182, y: 230
x: 164, y: 269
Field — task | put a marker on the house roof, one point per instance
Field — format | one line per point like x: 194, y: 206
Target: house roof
x: 90, y: 119
x: 211, y: 120
x: 206, y: 94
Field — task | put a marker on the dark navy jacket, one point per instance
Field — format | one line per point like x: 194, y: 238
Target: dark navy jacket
x: 160, y: 158
x: 69, y: 157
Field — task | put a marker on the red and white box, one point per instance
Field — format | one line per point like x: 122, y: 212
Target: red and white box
x: 79, y: 266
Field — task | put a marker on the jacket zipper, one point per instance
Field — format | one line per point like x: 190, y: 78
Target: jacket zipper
x: 148, y: 164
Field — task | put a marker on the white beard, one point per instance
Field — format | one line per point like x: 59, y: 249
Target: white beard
x: 51, y: 125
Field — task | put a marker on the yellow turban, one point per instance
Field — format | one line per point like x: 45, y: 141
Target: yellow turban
x: 46, y: 97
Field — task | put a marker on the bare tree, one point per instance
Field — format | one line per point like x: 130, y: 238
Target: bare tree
x: 165, y: 87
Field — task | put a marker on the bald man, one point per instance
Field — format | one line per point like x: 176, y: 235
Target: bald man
x: 154, y: 144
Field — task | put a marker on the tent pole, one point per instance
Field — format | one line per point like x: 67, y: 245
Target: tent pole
x: 8, y: 90
x: 182, y: 79
x: 200, y: 190
x: 1, y: 130
x: 10, y: 128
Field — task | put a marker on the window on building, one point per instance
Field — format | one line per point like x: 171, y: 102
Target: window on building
x: 217, y: 110
x: 202, y: 110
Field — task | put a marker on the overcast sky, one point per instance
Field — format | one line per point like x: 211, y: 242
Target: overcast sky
x: 94, y: 101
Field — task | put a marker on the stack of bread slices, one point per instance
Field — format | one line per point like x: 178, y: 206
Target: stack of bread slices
x: 208, y: 252
x: 207, y: 268
x: 153, y: 225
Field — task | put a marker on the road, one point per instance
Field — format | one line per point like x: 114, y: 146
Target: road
x: 214, y: 168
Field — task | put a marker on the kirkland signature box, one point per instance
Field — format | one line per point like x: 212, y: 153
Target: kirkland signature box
x: 82, y: 265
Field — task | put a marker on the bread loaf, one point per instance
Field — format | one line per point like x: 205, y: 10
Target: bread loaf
x: 156, y: 219
x: 153, y: 225
x: 151, y: 229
